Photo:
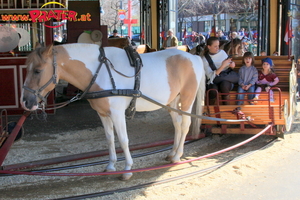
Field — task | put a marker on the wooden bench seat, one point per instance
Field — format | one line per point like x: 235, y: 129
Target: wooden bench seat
x: 263, y: 98
x: 260, y: 114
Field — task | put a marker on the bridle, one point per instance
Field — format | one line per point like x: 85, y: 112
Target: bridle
x: 53, y: 80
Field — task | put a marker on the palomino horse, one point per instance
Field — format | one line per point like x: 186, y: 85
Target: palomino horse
x: 234, y: 47
x: 171, y: 77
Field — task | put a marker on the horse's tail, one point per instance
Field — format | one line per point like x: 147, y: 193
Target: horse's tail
x: 198, y: 105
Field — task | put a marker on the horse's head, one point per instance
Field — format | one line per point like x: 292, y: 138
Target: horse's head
x: 41, y: 77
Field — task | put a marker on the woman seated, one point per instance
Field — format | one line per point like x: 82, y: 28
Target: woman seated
x: 219, y: 70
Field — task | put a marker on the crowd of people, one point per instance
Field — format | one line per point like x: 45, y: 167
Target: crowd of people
x: 221, y: 77
x: 195, y: 38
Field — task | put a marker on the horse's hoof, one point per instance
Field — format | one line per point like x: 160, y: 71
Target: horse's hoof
x: 109, y: 170
x: 125, y: 177
x: 174, y: 160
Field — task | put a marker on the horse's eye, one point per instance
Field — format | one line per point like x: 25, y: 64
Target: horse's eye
x: 37, y: 71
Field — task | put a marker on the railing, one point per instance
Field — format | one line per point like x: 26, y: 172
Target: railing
x: 218, y: 100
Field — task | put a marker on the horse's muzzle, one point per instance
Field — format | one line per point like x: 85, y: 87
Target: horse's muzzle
x: 29, y: 103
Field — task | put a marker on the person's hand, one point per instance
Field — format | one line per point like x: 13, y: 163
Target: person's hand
x: 227, y: 62
x: 232, y: 65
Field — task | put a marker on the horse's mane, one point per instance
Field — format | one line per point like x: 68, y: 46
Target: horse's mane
x: 36, y: 56
x: 77, y: 45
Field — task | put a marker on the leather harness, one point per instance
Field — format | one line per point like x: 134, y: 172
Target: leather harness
x: 136, y: 62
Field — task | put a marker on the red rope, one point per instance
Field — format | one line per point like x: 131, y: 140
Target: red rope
x: 141, y: 169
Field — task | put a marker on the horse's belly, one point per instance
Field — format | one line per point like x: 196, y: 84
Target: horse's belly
x: 145, y: 105
x: 157, y: 90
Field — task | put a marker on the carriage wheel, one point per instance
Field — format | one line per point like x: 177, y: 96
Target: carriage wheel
x: 295, y: 113
x: 287, y: 118
x: 10, y: 128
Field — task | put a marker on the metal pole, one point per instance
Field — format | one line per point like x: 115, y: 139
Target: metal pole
x: 129, y: 19
x: 121, y: 23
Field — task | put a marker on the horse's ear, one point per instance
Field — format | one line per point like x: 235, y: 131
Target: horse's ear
x: 38, y: 45
x: 48, y: 50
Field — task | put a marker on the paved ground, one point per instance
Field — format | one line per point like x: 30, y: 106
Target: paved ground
x: 271, y: 174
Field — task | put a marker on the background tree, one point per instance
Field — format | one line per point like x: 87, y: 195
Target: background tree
x: 111, y: 17
x: 189, y: 11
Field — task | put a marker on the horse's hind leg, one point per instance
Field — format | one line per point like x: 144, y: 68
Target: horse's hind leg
x: 181, y: 124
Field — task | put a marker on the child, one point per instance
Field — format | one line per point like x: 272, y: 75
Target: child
x: 263, y: 53
x: 266, y: 78
x: 247, y: 77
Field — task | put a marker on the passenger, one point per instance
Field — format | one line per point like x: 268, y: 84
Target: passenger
x: 263, y: 53
x: 266, y: 78
x: 218, y: 70
x: 247, y: 77
x: 171, y: 40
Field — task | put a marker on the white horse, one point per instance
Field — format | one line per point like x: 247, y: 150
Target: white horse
x: 170, y: 77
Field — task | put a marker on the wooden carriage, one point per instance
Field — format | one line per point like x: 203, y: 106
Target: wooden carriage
x: 279, y: 113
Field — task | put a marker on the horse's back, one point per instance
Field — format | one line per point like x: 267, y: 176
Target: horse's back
x: 166, y: 73
x: 161, y: 57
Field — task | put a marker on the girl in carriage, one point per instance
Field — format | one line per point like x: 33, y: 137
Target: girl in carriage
x: 247, y: 78
x: 266, y: 78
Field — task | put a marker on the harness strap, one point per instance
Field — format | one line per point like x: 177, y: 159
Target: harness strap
x: 190, y: 114
x: 110, y: 93
x: 135, y: 61
x: 137, y: 94
x: 102, y: 58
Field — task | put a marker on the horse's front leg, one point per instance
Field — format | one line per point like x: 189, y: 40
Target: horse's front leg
x: 118, y: 118
x: 109, y: 133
